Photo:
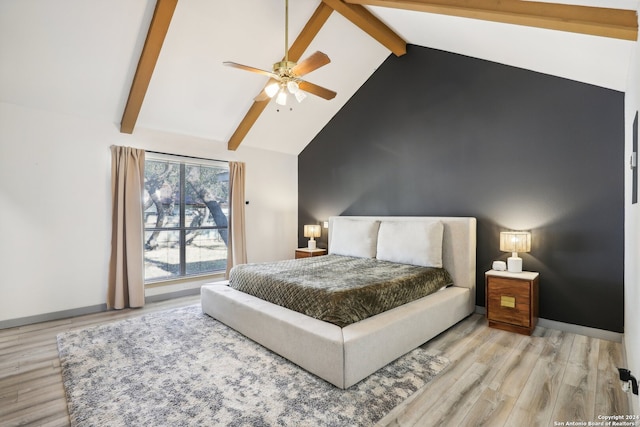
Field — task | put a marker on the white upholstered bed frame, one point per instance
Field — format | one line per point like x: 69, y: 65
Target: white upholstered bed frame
x: 344, y: 356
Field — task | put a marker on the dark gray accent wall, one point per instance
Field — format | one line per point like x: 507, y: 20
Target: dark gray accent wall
x: 435, y: 133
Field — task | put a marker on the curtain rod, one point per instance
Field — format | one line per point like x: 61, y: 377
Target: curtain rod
x: 188, y: 157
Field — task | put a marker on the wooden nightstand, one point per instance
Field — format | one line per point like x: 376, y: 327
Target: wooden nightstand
x: 306, y: 252
x: 511, y: 300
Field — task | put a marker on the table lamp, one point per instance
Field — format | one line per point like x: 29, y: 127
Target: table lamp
x: 514, y: 242
x: 312, y: 231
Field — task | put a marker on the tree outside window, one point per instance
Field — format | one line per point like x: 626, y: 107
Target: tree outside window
x: 186, y: 208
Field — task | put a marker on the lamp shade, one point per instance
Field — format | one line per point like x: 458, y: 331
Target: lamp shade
x: 515, y: 241
x: 312, y: 231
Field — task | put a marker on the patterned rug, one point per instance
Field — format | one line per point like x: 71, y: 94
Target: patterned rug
x: 182, y: 368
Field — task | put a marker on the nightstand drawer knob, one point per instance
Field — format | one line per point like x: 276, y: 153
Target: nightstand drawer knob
x: 507, y: 302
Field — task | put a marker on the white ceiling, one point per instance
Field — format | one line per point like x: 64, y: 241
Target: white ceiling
x: 79, y: 56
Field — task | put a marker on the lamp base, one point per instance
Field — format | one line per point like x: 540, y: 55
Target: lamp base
x: 312, y: 244
x: 514, y: 264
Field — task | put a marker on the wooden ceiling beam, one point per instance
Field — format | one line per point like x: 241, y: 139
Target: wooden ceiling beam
x: 371, y: 25
x: 155, y: 37
x: 596, y: 21
x: 309, y: 32
x: 296, y: 51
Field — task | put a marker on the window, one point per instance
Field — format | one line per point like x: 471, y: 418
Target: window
x: 185, y: 217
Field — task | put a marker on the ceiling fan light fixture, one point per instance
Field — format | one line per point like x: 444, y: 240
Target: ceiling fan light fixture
x: 281, y: 99
x: 272, y: 89
x: 293, y: 87
x: 300, y: 95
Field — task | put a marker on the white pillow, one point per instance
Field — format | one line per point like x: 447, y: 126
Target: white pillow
x: 409, y: 242
x: 357, y: 238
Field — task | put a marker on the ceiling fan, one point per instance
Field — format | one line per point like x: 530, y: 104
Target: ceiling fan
x: 286, y: 75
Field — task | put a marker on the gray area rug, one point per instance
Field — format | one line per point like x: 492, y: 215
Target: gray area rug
x: 180, y: 367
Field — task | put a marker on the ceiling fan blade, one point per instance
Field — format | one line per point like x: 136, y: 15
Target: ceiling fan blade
x: 316, y: 90
x: 311, y: 63
x: 252, y: 69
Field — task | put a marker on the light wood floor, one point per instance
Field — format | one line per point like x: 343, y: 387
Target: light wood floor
x: 495, y: 378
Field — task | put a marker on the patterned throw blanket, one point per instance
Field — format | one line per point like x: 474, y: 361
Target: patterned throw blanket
x: 338, y: 289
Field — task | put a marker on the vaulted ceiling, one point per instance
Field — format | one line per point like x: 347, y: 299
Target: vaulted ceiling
x: 79, y: 57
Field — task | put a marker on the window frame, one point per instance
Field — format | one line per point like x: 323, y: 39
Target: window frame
x: 182, y: 229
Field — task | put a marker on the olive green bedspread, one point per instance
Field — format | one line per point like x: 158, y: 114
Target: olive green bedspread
x: 338, y: 289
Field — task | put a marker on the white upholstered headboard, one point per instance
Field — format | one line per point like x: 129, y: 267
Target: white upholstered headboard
x: 458, y: 243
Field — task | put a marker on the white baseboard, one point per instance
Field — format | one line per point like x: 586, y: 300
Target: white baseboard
x: 574, y: 329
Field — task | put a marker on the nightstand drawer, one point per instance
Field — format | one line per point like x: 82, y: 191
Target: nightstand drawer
x: 308, y: 253
x: 509, y: 301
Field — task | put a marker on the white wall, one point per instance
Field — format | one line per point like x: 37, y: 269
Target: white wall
x: 632, y: 234
x: 55, y: 205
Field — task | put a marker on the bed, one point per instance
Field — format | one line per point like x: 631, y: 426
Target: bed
x: 344, y: 355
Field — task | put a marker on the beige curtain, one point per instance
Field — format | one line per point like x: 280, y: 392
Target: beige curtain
x: 236, y: 241
x: 126, y: 267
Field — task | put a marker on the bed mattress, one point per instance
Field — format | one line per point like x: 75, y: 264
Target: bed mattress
x: 338, y: 289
